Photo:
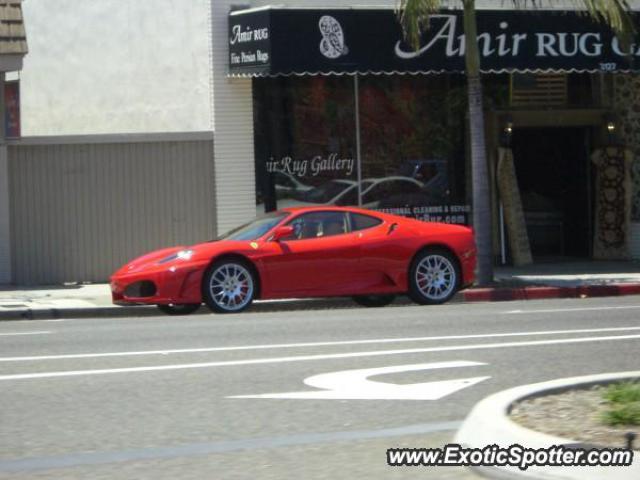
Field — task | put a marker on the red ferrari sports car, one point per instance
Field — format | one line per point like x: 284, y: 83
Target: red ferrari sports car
x: 301, y: 253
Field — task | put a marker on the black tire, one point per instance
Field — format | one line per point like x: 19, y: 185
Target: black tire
x: 225, y: 282
x: 434, y: 277
x: 373, y: 301
x: 179, y: 309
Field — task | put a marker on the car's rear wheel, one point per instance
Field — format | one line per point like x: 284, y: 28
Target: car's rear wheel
x: 434, y: 277
x: 374, y: 300
x: 179, y: 309
x: 228, y: 286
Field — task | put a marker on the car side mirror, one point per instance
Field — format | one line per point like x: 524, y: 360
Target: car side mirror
x: 282, y: 232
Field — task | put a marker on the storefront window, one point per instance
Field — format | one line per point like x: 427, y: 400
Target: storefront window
x: 305, y: 142
x: 412, y: 156
x: 412, y: 130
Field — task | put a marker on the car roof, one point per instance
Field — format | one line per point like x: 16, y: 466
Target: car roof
x: 324, y: 208
x: 393, y: 177
x: 343, y: 180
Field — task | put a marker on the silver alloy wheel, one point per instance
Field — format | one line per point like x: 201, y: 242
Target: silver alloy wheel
x: 231, y: 287
x: 435, y: 277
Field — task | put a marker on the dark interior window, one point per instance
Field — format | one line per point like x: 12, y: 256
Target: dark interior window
x: 318, y: 224
x: 360, y: 222
x: 254, y: 229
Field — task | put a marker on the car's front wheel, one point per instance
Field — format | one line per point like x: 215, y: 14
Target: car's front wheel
x: 434, y: 277
x: 179, y: 309
x: 228, y: 286
x: 374, y: 300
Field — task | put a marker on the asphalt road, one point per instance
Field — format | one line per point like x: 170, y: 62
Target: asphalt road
x: 157, y: 398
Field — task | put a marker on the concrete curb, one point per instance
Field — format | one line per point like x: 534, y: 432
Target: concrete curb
x: 489, y: 424
x: 78, y: 312
x: 544, y: 292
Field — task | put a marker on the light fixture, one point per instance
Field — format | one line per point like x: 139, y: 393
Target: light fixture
x: 508, y: 125
x: 507, y: 130
x: 610, y: 124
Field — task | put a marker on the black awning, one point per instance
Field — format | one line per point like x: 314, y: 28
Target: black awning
x: 281, y: 41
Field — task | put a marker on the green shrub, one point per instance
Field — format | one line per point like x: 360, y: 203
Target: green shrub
x: 624, y: 404
x: 626, y: 414
x: 623, y: 392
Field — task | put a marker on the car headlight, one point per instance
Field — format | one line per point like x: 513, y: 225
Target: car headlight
x: 181, y: 255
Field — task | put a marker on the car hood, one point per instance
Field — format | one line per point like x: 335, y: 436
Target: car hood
x: 202, y: 252
x: 207, y: 250
x: 153, y: 257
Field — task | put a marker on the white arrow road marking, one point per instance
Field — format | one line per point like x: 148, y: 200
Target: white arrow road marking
x: 355, y: 384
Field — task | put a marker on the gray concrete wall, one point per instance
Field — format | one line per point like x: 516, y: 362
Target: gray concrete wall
x: 81, y: 207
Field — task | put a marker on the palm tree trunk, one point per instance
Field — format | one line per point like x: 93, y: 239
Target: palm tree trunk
x: 479, y: 170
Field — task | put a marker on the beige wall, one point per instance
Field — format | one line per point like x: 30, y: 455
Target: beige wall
x: 80, y: 207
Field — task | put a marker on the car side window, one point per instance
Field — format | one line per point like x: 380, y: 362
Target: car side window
x: 402, y: 186
x: 318, y: 225
x: 349, y: 198
x: 361, y: 222
x: 372, y: 195
x: 283, y: 180
x: 389, y: 188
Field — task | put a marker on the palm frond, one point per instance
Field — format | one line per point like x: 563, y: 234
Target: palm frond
x: 414, y: 17
x: 613, y: 13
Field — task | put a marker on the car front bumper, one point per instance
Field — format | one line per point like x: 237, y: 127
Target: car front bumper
x: 172, y: 285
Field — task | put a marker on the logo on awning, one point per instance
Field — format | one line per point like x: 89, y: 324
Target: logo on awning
x: 332, y: 43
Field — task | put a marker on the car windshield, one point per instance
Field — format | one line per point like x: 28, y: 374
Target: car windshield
x: 255, y: 229
x: 326, y: 192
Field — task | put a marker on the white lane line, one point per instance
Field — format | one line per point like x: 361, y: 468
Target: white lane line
x: 579, y: 309
x: 303, y: 358
x: 312, y: 344
x: 14, y: 334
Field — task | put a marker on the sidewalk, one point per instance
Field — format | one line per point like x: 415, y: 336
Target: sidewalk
x: 563, y: 279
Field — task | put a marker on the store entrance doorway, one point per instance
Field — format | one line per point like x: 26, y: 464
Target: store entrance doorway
x: 554, y: 175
